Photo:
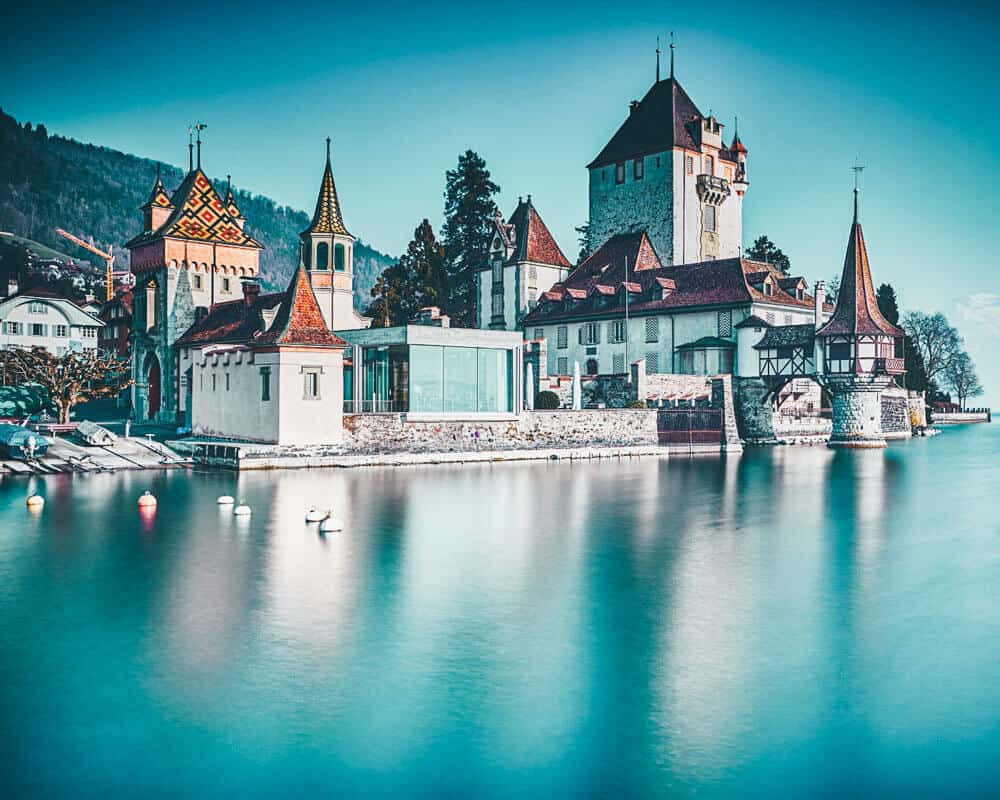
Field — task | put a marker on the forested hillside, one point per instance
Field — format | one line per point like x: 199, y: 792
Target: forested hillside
x: 49, y: 181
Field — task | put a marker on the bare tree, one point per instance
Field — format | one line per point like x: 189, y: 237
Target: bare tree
x: 960, y: 376
x: 73, y: 378
x: 938, y: 342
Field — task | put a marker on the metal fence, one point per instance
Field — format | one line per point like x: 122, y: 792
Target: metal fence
x: 689, y: 425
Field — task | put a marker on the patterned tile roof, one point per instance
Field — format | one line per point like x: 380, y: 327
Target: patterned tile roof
x: 662, y: 120
x: 158, y: 196
x: 230, y: 201
x: 299, y: 320
x: 200, y: 215
x: 533, y: 241
x: 857, y: 311
x: 328, y: 217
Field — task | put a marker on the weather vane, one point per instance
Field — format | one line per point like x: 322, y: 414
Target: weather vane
x: 858, y: 168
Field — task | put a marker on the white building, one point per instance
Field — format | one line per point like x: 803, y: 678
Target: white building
x: 667, y: 171
x: 40, y: 318
x: 524, y: 261
x: 680, y: 319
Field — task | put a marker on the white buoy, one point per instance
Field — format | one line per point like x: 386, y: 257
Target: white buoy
x: 315, y: 515
x: 225, y: 500
x: 147, y: 500
x: 35, y: 502
x: 330, y: 524
x: 242, y: 510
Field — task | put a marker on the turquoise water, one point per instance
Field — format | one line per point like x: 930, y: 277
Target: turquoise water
x: 795, y: 622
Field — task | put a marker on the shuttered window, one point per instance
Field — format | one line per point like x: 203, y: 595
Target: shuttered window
x: 652, y: 362
x: 562, y: 337
x: 618, y: 363
x: 725, y: 324
x: 652, y: 329
x: 562, y: 366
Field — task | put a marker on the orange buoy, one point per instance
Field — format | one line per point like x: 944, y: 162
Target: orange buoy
x: 35, y: 501
x: 147, y: 500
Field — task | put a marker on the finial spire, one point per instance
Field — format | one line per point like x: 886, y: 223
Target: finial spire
x: 157, y: 171
x: 672, y: 46
x: 857, y: 177
x: 657, y: 59
x: 229, y: 183
x: 736, y: 127
x: 327, y: 149
x: 190, y: 148
x: 199, y: 127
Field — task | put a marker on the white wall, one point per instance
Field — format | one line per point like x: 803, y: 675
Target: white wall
x: 687, y: 244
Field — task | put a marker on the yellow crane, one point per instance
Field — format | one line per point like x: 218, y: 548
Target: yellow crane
x: 109, y: 259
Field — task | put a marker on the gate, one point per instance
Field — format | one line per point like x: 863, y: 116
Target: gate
x: 688, y: 426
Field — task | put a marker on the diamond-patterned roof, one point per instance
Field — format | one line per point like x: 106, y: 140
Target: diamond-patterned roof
x: 200, y: 214
x: 230, y: 203
x: 158, y: 196
x: 327, y: 217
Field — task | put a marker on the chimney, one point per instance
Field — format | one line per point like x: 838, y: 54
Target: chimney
x: 818, y: 295
x: 632, y: 106
x: 251, y: 290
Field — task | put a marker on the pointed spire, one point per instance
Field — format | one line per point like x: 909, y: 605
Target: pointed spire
x: 190, y: 148
x: 857, y: 310
x: 858, y: 169
x: 199, y: 127
x: 737, y: 146
x: 657, y: 59
x: 327, y: 218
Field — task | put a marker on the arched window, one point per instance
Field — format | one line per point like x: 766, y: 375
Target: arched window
x: 322, y: 256
x: 339, y: 258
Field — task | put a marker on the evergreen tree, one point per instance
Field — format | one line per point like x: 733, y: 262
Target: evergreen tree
x: 584, y: 240
x: 469, y: 210
x: 416, y: 281
x: 763, y: 249
x: 886, y: 299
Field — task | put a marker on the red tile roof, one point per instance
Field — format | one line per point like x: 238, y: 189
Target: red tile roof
x: 533, y: 241
x: 234, y: 321
x: 666, y: 117
x: 857, y: 311
x: 299, y: 320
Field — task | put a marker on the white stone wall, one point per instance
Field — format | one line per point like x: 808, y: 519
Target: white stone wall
x: 687, y: 210
x: 237, y: 410
x: 51, y: 315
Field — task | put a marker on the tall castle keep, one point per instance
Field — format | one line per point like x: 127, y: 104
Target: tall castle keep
x: 668, y: 172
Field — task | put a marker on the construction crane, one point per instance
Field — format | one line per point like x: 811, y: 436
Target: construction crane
x: 109, y: 259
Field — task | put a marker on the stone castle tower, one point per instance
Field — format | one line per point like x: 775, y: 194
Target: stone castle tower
x: 192, y: 252
x: 668, y: 172
x: 327, y: 254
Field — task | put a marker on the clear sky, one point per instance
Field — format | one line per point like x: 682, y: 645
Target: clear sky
x: 910, y: 88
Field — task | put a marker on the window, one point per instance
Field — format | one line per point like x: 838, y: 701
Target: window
x: 840, y: 351
x: 339, y: 258
x: 652, y: 362
x: 592, y: 366
x: 37, y: 308
x: 562, y: 336
x: 725, y: 324
x: 15, y: 328
x: 311, y: 387
x: 652, y: 329
x: 498, y: 305
x: 616, y: 330
x: 769, y: 318
x: 638, y: 169
x: 265, y: 383
x: 227, y: 381
x: 562, y: 366
x: 225, y: 284
x: 62, y: 330
x: 788, y: 319
x: 657, y: 162
x: 768, y: 288
x: 196, y: 281
x: 213, y: 381
x: 709, y: 165
x: 90, y: 333
x: 539, y: 333
x: 618, y: 364
x: 37, y: 329
x: 590, y: 333
x: 710, y: 222
x: 690, y: 165
x: 620, y: 172
x: 323, y: 256
x: 785, y: 352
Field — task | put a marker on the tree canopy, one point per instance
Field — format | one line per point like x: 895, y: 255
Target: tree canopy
x: 960, y: 376
x: 936, y: 340
x: 763, y: 249
x: 417, y: 280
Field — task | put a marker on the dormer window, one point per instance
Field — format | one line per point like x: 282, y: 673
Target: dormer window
x: 768, y: 288
x: 496, y: 243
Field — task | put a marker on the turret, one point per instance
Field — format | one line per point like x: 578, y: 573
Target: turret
x: 157, y: 209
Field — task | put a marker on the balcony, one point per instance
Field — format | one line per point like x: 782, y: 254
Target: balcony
x: 712, y: 189
x: 889, y: 366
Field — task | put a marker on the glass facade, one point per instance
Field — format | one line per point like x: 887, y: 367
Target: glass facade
x: 429, y: 379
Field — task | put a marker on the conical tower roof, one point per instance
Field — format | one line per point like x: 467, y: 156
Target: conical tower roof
x: 534, y: 242
x: 327, y: 218
x: 857, y: 311
x: 299, y: 320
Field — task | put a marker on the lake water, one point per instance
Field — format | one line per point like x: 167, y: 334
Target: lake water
x: 793, y: 622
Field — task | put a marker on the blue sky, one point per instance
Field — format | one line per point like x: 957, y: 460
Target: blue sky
x: 537, y: 89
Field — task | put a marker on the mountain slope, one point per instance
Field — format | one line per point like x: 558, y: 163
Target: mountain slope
x: 49, y: 181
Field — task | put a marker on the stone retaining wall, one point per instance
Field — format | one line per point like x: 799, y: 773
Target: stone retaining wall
x: 394, y: 433
x: 896, y: 414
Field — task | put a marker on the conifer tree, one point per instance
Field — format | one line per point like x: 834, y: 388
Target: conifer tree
x: 469, y: 210
x: 417, y: 280
x: 763, y: 249
x: 886, y: 299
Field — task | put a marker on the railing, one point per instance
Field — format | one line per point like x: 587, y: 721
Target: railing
x: 890, y: 366
x: 689, y: 426
x: 378, y: 406
x: 711, y: 183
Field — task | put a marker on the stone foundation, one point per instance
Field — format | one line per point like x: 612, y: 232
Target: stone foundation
x: 896, y: 414
x: 394, y: 433
x: 754, y: 415
x: 857, y: 413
